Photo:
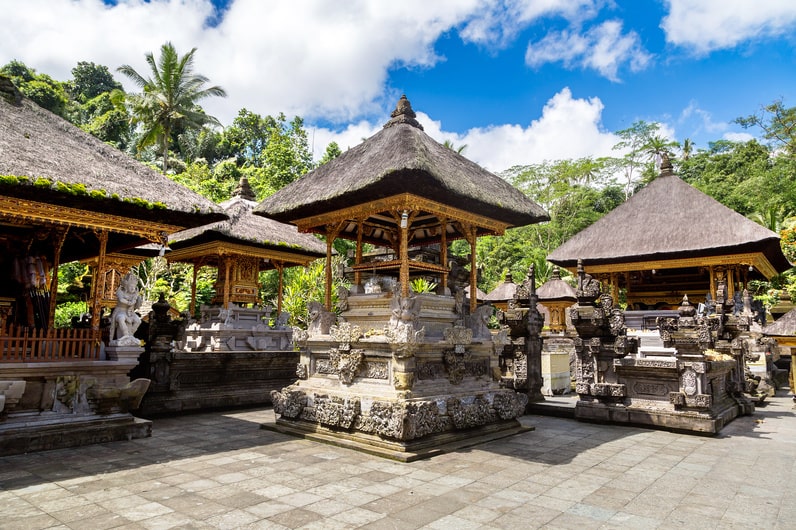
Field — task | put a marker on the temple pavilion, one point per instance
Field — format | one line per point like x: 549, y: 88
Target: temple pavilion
x: 400, y: 373
x: 65, y: 195
x: 670, y: 240
x: 397, y: 189
x: 242, y: 246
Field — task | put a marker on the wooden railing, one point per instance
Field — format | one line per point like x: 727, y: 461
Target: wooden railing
x: 22, y: 344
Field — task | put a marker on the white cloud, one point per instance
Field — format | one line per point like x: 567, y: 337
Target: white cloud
x: 699, y: 120
x: 738, y: 137
x: 315, y: 58
x: 707, y: 25
x: 603, y: 48
x: 500, y: 21
x: 568, y: 128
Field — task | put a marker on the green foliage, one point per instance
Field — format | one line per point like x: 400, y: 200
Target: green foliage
x: 65, y: 311
x: 90, y: 80
x: 169, y: 99
x: 39, y: 88
x: 301, y: 286
x: 332, y: 152
x: 422, y: 285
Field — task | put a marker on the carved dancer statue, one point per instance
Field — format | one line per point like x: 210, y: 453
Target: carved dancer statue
x: 124, y: 319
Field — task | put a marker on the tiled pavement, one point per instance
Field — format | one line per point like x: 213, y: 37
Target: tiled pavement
x: 220, y: 470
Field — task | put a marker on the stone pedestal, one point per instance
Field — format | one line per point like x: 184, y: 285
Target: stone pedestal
x: 392, y: 389
x: 556, y: 354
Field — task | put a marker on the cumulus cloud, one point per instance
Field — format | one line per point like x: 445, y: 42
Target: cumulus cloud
x: 603, y: 48
x: 316, y: 58
x: 502, y: 20
x: 707, y: 25
x: 568, y: 128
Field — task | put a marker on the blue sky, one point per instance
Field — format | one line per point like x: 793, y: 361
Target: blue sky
x: 518, y: 82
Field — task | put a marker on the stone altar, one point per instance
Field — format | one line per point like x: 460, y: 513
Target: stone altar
x: 230, y: 358
x: 400, y: 377
x: 693, y: 384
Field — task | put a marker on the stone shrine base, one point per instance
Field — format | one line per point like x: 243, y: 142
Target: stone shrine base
x: 408, y: 451
x: 692, y: 421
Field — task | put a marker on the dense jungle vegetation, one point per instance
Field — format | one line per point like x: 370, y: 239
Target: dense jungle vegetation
x: 165, y: 126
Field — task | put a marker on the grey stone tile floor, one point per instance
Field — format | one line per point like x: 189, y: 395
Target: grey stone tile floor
x: 220, y: 470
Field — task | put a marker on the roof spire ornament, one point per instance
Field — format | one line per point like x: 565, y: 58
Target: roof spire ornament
x: 666, y: 165
x: 244, y: 190
x: 403, y: 113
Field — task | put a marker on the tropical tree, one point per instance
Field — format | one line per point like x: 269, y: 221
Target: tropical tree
x: 449, y: 145
x: 169, y: 98
x: 778, y: 124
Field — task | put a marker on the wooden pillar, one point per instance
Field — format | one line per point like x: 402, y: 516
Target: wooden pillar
x: 471, y: 238
x: 193, y: 289
x: 227, y: 267
x: 358, y: 255
x: 60, y: 237
x: 712, y: 283
x: 331, y: 234
x: 443, y: 253
x: 280, y: 267
x: 404, y: 253
x: 615, y: 287
x: 99, y: 288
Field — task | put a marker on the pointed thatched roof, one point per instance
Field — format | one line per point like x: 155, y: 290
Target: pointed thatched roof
x: 46, y: 159
x: 503, y: 291
x: 555, y: 289
x: 249, y: 230
x: 669, y: 219
x: 784, y: 326
x: 402, y: 159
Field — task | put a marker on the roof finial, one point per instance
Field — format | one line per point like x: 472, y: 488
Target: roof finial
x: 666, y: 165
x: 244, y: 190
x: 403, y: 113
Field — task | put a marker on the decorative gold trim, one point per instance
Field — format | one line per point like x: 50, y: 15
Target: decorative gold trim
x: 64, y: 216
x: 223, y: 248
x: 400, y: 202
x: 756, y: 259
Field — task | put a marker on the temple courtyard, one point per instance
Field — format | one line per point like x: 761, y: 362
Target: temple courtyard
x: 221, y: 470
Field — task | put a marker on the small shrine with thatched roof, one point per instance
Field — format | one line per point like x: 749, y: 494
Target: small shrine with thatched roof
x: 400, y: 373
x: 235, y: 350
x: 668, y: 242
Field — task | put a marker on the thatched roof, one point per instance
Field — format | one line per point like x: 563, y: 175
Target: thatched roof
x: 668, y: 219
x: 784, y: 326
x: 402, y: 159
x: 555, y: 289
x: 251, y: 230
x: 503, y: 291
x: 37, y: 146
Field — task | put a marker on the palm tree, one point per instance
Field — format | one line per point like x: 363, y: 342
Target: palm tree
x: 687, y: 148
x: 449, y: 145
x: 169, y: 98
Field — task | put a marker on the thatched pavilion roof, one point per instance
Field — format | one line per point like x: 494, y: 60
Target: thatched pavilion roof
x: 503, y: 291
x: 400, y: 160
x: 45, y: 159
x: 669, y: 219
x: 784, y: 326
x: 555, y: 289
x: 249, y: 233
